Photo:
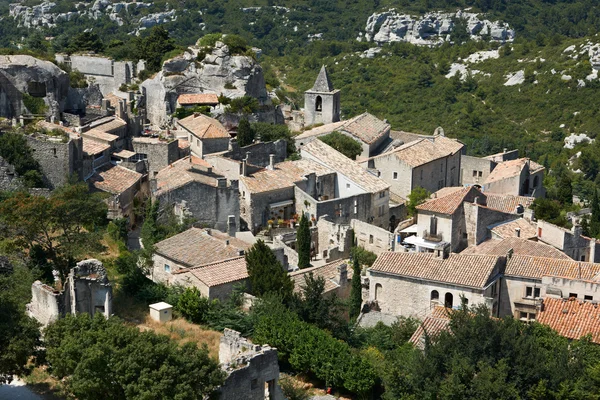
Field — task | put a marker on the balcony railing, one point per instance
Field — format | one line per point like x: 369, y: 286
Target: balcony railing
x: 432, y: 237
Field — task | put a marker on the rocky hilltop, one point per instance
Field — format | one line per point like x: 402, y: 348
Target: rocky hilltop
x: 430, y: 29
x: 25, y: 80
x: 218, y: 72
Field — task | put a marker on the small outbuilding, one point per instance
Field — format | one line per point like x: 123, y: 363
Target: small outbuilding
x: 161, y: 312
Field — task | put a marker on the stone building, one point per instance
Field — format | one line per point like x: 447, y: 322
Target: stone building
x: 372, y: 238
x: 123, y: 185
x: 412, y: 284
x: 193, y: 189
x: 520, y: 177
x: 86, y: 290
x: 252, y: 370
x: 337, y: 275
x: 9, y: 178
x: 157, y: 152
x: 431, y: 164
x: 571, y: 242
x: 369, y: 131
x: 322, y: 101
x: 197, y: 100
x: 206, y: 135
x: 334, y: 241
x: 193, y: 248
x: 475, y: 170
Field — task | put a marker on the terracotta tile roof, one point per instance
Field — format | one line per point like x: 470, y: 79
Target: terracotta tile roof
x: 198, y: 98
x: 196, y: 247
x: 184, y: 171
x: 111, y: 125
x: 113, y: 99
x: 92, y: 147
x: 507, y: 203
x: 420, y: 152
x: 452, y: 145
x: 114, y: 179
x: 285, y: 175
x: 150, y: 140
x: 448, y: 200
x: 320, y: 130
x: 571, y: 318
x: 183, y: 144
x: 431, y: 326
x: 366, y: 127
x: 537, y: 267
x: 520, y: 246
x: 508, y: 229
x: 221, y: 272
x: 125, y: 154
x: 508, y: 169
x: 464, y: 270
x: 99, y: 135
x: 329, y: 272
x: 204, y: 127
x: 338, y: 162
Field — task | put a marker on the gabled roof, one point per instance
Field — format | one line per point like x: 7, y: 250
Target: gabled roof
x: 571, y: 318
x: 114, y: 179
x: 329, y: 157
x: 100, y: 135
x: 448, y: 200
x: 508, y: 169
x: 329, y: 272
x: 537, y: 267
x: 508, y: 229
x: 204, y: 127
x: 424, y: 151
x: 184, y: 171
x: 431, y: 326
x: 221, y: 272
x: 323, y: 83
x: 365, y: 127
x: 196, y: 247
x: 91, y: 147
x: 111, y: 125
x: 519, y: 246
x: 507, y: 203
x: 198, y: 98
x: 284, y: 175
x: 458, y: 269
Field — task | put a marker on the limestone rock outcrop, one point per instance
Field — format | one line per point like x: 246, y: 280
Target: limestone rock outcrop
x: 219, y: 72
x: 28, y: 78
x: 430, y: 29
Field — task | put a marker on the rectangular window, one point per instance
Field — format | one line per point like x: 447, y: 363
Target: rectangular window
x: 167, y: 268
x: 523, y: 316
x: 442, y: 167
x: 582, y: 258
x: 573, y: 295
x: 536, y: 292
x: 198, y: 142
x: 421, y: 174
x: 588, y: 298
x: 370, y: 239
x: 433, y: 226
x: 395, y: 175
x: 355, y: 206
x: 475, y: 173
x: 480, y: 173
x: 347, y: 186
x: 528, y: 291
x: 531, y: 316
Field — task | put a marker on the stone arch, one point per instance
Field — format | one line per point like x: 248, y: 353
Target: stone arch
x: 448, y: 300
x: 319, y: 103
x: 435, y: 295
x: 378, y: 291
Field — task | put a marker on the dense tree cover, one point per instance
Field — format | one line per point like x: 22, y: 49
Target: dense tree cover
x: 303, y: 241
x: 245, y: 133
x: 19, y: 334
x: 266, y: 274
x: 62, y: 227
x: 103, y: 358
x: 417, y: 196
x: 342, y: 143
x: 15, y: 150
x: 270, y: 132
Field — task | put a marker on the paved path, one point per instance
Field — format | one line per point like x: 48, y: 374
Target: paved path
x: 16, y: 390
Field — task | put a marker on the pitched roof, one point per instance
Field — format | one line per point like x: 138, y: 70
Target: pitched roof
x: 329, y: 272
x: 284, y: 175
x: 338, y: 162
x: 197, y: 246
x: 99, y: 135
x: 507, y: 203
x: 222, y: 272
x: 431, y: 326
x: 111, y: 125
x: 448, y: 201
x: 464, y: 270
x: 366, y: 127
x: 323, y: 83
x: 571, y: 318
x: 91, y: 147
x: 198, y: 98
x: 519, y: 246
x: 508, y: 169
x: 184, y: 171
x: 114, y: 179
x: 453, y: 145
x: 537, y: 267
x: 508, y: 229
x: 204, y: 127
x: 422, y: 151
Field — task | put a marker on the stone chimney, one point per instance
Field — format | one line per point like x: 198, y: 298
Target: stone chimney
x: 577, y: 230
x: 105, y: 104
x: 509, y: 254
x: 342, y: 270
x: 271, y: 161
x: 518, y: 232
x: 244, y: 167
x: 231, y: 225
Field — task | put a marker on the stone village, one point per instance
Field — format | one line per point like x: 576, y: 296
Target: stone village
x: 475, y: 240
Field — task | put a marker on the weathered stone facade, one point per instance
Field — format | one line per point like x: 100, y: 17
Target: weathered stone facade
x: 9, y: 179
x: 571, y: 242
x: 157, y: 153
x: 322, y: 102
x: 58, y: 159
x: 371, y: 237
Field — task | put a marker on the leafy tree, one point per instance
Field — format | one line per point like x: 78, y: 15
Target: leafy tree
x: 356, y: 290
x: 342, y: 143
x: 271, y: 132
x: 245, y: 133
x: 154, y: 47
x: 236, y: 44
x: 265, y: 273
x: 19, y: 334
x: 118, y: 229
x: 86, y: 41
x: 103, y: 358
x: 594, y: 223
x: 15, y: 150
x: 549, y: 210
x: 364, y: 257
x: 150, y: 231
x: 417, y: 196
x: 243, y: 105
x: 303, y: 240
x: 193, y: 306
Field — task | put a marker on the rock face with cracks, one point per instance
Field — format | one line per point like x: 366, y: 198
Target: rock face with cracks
x: 219, y: 72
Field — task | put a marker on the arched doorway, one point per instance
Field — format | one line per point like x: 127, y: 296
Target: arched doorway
x: 319, y: 104
x: 378, y: 291
x: 448, y: 300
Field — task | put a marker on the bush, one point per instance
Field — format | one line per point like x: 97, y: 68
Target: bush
x: 243, y: 105
x: 35, y: 105
x: 342, y: 143
x: 192, y: 306
x: 293, y: 390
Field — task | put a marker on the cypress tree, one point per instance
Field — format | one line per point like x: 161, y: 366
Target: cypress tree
x: 266, y: 274
x: 594, y: 224
x: 245, y: 133
x: 355, y: 290
x: 303, y: 243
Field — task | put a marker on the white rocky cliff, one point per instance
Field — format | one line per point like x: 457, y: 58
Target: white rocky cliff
x: 430, y: 29
x: 219, y: 72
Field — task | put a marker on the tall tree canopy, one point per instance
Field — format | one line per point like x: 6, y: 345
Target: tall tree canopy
x: 266, y: 273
